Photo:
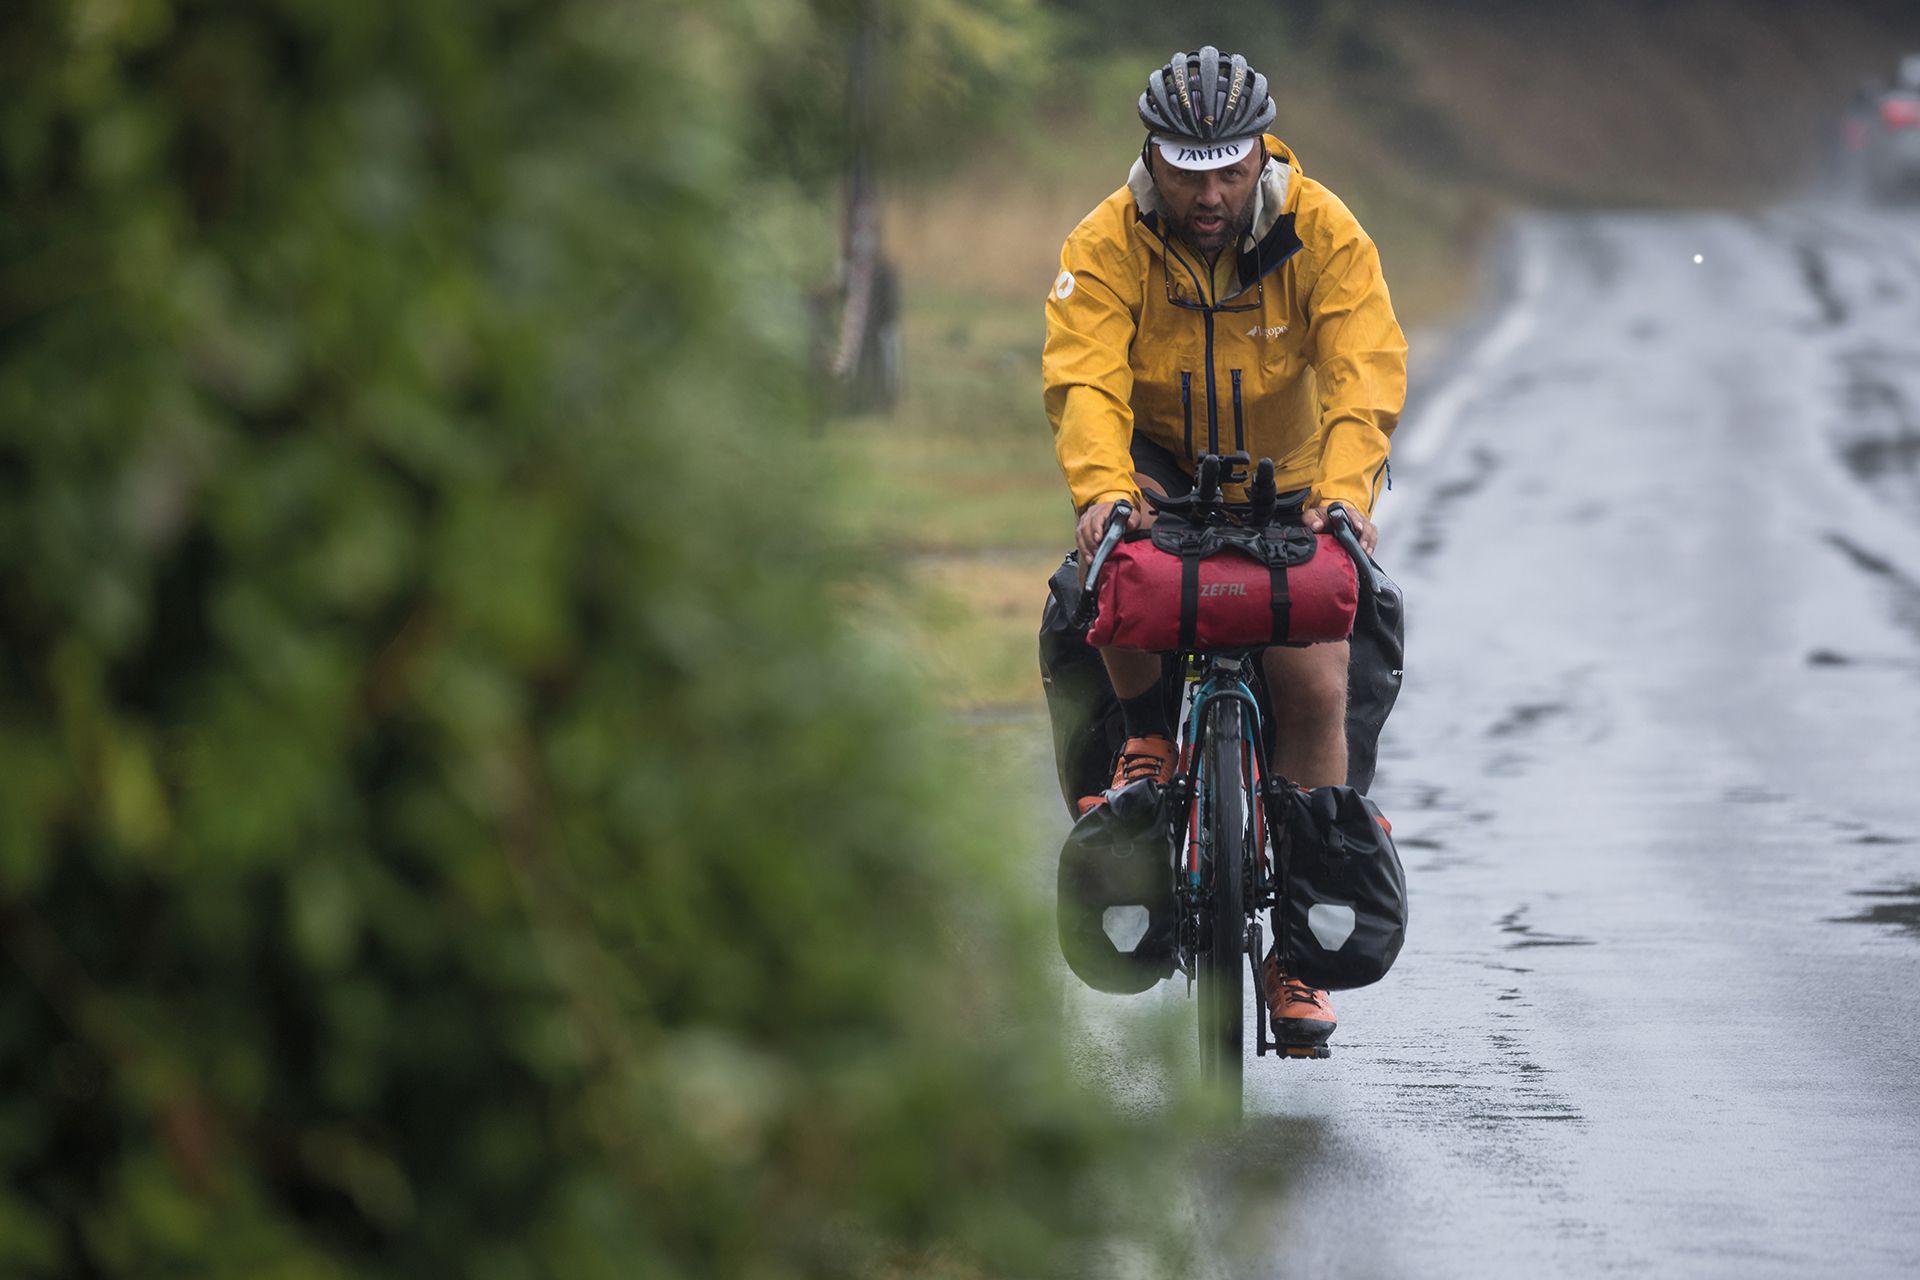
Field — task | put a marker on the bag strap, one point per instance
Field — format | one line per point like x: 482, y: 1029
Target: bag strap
x: 1282, y: 601
x: 1189, y: 600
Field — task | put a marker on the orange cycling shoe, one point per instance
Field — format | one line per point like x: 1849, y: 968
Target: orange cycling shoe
x: 1301, y: 1015
x: 1140, y: 759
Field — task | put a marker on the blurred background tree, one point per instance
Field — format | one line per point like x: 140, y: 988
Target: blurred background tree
x: 446, y: 824
x: 951, y: 73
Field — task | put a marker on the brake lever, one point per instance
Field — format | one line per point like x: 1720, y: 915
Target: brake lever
x: 1117, y: 522
x: 1343, y: 533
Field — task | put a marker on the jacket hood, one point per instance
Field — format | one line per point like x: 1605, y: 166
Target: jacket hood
x: 1271, y: 240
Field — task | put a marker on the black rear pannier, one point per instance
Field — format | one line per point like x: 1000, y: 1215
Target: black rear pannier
x: 1343, y: 912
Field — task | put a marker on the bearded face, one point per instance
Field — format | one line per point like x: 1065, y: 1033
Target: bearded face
x: 1212, y: 208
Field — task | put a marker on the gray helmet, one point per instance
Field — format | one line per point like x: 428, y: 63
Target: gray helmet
x: 1206, y: 97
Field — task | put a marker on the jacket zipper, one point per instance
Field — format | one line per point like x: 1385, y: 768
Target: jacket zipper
x: 1239, y: 434
x: 1186, y: 408
x: 1213, y: 399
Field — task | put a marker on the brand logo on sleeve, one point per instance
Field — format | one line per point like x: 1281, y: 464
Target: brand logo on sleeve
x: 1063, y: 287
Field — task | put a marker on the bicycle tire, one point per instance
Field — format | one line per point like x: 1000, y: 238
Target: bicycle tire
x: 1223, y: 965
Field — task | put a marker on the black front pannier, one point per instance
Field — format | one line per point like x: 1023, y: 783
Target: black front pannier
x: 1087, y: 729
x: 1119, y: 855
x: 1343, y: 911
x: 1373, y: 669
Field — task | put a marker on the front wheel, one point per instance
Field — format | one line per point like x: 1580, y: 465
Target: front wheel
x: 1225, y: 819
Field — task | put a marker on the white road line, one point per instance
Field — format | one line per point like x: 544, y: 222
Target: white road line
x: 1436, y: 422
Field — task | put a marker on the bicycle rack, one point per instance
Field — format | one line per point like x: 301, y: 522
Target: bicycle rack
x: 1262, y: 1045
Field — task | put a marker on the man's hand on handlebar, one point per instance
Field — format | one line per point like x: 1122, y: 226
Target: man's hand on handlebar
x: 1316, y: 518
x: 1093, y: 526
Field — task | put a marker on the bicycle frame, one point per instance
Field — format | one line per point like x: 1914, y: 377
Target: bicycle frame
x: 1217, y: 678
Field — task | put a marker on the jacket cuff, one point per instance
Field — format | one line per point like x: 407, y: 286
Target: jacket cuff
x: 1356, y: 499
x: 1116, y: 495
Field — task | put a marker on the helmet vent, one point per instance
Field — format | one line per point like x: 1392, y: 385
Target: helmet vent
x: 1207, y: 97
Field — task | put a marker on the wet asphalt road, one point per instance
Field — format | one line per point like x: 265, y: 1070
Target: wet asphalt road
x: 1656, y: 778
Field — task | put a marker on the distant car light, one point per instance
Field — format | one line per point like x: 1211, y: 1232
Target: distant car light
x: 1901, y: 113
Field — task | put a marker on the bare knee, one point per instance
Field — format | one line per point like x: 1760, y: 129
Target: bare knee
x: 1148, y: 484
x: 1308, y: 686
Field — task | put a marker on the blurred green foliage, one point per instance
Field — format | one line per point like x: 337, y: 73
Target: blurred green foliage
x: 943, y: 76
x: 447, y: 826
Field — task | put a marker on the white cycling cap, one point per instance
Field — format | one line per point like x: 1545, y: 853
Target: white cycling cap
x: 1191, y: 153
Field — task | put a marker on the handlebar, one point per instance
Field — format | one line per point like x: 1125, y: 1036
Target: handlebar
x: 1206, y: 483
x: 1264, y: 498
x: 1206, y: 495
x: 1117, y: 521
x: 1214, y: 471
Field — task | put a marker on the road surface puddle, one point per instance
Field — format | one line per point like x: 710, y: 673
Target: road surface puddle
x: 1527, y: 936
x: 1896, y: 908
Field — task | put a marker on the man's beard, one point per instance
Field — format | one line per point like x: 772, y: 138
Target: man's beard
x: 1237, y: 225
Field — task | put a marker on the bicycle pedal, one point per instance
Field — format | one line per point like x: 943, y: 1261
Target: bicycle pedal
x: 1305, y: 1051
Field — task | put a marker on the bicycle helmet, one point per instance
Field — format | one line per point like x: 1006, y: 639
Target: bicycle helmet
x: 1202, y: 108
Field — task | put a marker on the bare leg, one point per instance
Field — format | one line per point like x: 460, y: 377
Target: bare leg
x: 1133, y: 671
x: 1308, y: 689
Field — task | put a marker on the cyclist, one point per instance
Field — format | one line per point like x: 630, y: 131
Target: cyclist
x: 1221, y: 300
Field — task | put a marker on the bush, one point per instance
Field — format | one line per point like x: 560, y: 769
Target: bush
x: 446, y: 824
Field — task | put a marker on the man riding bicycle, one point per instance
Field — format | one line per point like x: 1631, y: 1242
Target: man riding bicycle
x: 1222, y: 301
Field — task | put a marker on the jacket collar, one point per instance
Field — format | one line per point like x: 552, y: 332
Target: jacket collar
x: 1270, y: 241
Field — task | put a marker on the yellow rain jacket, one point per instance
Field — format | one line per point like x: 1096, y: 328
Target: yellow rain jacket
x: 1287, y: 347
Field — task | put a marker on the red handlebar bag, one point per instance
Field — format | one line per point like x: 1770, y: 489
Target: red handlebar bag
x: 1199, y: 590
